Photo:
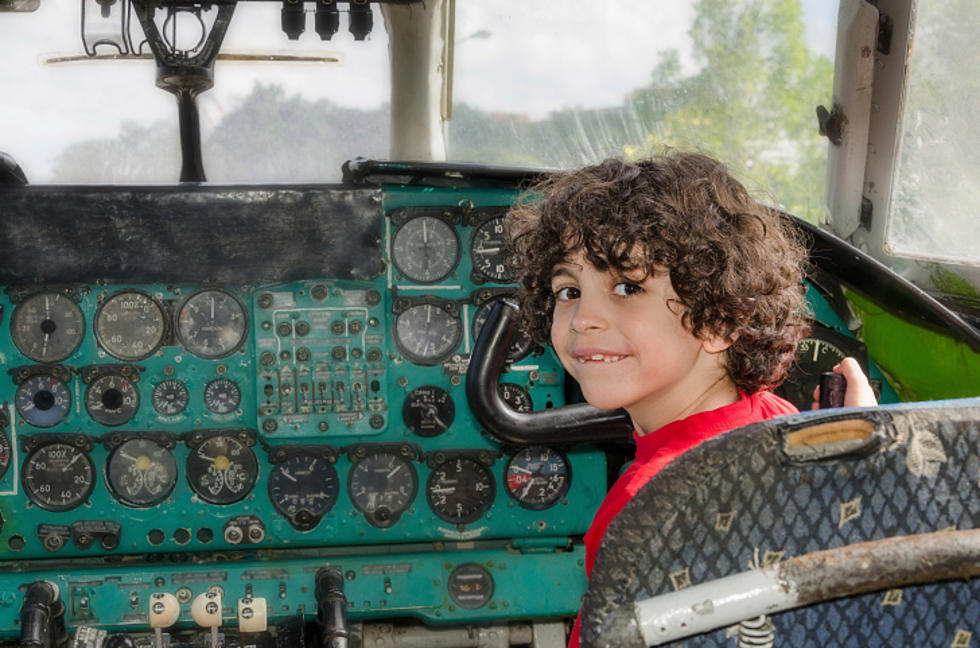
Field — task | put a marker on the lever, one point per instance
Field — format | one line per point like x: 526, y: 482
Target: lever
x: 206, y: 612
x: 42, y: 622
x: 331, y: 608
x: 164, y: 610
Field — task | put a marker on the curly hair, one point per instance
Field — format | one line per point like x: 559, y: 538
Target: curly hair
x: 736, y: 265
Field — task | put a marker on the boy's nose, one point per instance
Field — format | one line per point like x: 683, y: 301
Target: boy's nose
x: 587, y: 316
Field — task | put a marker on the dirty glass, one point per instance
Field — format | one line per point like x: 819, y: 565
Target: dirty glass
x: 937, y: 181
x: 562, y: 83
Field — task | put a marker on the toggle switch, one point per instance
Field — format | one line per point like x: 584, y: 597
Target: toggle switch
x: 164, y: 610
x: 206, y: 612
x: 252, y: 615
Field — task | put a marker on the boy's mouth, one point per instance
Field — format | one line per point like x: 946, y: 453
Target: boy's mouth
x: 598, y: 357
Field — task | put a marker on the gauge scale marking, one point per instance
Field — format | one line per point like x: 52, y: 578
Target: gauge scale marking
x: 212, y: 324
x: 222, y: 470
x: 426, y: 334
x: 537, y: 477
x: 428, y: 411
x: 222, y: 396
x: 425, y: 249
x: 112, y: 400
x: 58, y: 476
x: 489, y: 251
x: 303, y: 489
x: 130, y: 325
x: 170, y: 397
x: 47, y: 327
x: 140, y: 473
x: 460, y: 490
x: 42, y: 400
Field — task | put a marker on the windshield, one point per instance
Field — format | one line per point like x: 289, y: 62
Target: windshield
x: 558, y: 83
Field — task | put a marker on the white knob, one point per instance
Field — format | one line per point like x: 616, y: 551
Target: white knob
x: 252, y: 615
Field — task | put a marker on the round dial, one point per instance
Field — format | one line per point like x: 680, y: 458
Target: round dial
x: 222, y: 396
x: 58, y: 476
x: 130, y: 325
x: 522, y: 343
x: 814, y: 357
x: 222, y: 470
x: 303, y: 488
x: 425, y: 249
x: 42, y: 400
x: 460, y: 490
x: 426, y: 334
x: 140, y: 473
x: 515, y: 396
x: 382, y: 485
x: 47, y: 327
x: 211, y: 324
x: 170, y: 397
x: 470, y: 586
x: 537, y: 477
x: 489, y: 251
x: 112, y: 400
x: 428, y: 411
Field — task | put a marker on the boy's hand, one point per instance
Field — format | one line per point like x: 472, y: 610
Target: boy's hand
x: 858, y: 393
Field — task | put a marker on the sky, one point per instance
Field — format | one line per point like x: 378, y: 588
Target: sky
x: 514, y: 56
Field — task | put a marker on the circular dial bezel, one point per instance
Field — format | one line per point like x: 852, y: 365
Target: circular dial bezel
x: 303, y: 489
x: 27, y: 393
x: 148, y: 328
x: 373, y: 491
x: 491, y: 262
x: 209, y: 461
x: 97, y: 392
x: 140, y: 473
x: 160, y: 401
x: 427, y: 334
x: 57, y: 338
x: 222, y: 396
x: 67, y: 462
x: 428, y: 411
x: 421, y: 240
x: 518, y: 398
x: 224, y: 321
x: 519, y: 347
x: 460, y: 490
x: 523, y: 472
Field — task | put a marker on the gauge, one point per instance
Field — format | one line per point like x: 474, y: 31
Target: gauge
x: 222, y: 470
x: 382, y: 485
x: 427, y: 334
x: 537, y: 477
x: 425, y: 249
x: 428, y: 411
x: 42, y: 400
x: 460, y: 490
x: 816, y: 354
x: 170, y: 397
x: 489, y: 251
x: 222, y: 396
x: 58, y: 476
x: 522, y: 342
x: 47, y: 327
x: 303, y: 488
x: 112, y: 400
x: 211, y: 324
x: 141, y: 473
x: 470, y: 586
x: 130, y: 325
x: 5, y: 449
x: 515, y: 396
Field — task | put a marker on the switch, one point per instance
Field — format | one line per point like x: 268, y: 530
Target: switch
x: 206, y: 612
x: 252, y: 615
x: 164, y: 610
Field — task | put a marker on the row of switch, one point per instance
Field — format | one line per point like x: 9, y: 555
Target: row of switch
x: 206, y: 612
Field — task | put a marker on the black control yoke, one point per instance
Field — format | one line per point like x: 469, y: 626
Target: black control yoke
x: 571, y: 423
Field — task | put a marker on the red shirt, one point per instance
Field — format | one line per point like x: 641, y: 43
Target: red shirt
x: 660, y: 447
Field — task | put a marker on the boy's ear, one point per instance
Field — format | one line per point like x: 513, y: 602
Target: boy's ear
x: 714, y: 343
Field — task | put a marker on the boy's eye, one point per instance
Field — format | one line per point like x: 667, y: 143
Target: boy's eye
x: 626, y: 289
x: 566, y: 293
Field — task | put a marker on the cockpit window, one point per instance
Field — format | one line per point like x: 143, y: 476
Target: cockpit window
x: 97, y: 121
x: 937, y: 180
x: 562, y: 83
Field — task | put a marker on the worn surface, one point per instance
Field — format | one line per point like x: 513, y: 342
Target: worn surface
x: 737, y: 502
x: 192, y: 234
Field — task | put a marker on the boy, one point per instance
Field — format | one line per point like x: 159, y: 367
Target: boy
x: 665, y: 289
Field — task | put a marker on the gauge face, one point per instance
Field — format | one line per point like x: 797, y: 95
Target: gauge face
x: 140, y: 473
x: 212, y: 324
x: 470, y: 586
x: 460, y: 490
x: 537, y: 477
x: 58, y: 476
x: 47, y: 327
x: 222, y: 396
x: 426, y: 334
x: 814, y: 357
x: 522, y: 343
x: 382, y: 485
x: 5, y: 451
x: 425, y: 249
x: 489, y: 251
x: 515, y: 396
x: 428, y: 411
x: 222, y: 470
x: 303, y: 488
x: 42, y: 401
x: 112, y: 400
x: 170, y: 397
x: 130, y: 325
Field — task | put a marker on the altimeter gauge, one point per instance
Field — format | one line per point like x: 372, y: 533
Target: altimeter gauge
x: 47, y: 327
x: 427, y: 334
x: 211, y: 323
x: 489, y: 251
x: 425, y: 249
x: 141, y: 473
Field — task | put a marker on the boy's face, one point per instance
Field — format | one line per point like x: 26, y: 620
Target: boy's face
x: 623, y: 340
